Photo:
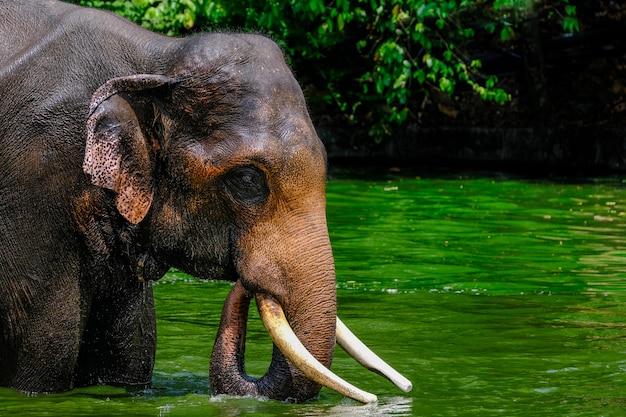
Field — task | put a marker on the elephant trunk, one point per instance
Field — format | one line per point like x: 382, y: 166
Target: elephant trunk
x: 283, y: 381
x: 304, y: 291
x: 294, y: 287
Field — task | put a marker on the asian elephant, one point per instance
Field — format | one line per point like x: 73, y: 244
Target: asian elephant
x: 124, y: 153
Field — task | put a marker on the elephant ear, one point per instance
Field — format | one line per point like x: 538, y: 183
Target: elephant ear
x: 118, y: 155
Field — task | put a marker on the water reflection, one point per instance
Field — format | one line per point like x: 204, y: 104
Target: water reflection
x: 390, y: 406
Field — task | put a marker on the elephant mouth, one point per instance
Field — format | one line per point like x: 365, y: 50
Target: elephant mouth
x: 230, y: 349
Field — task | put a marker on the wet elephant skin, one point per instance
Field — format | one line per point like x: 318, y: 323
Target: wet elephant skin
x: 124, y: 153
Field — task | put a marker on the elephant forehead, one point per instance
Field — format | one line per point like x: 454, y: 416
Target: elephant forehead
x: 277, y: 117
x: 291, y: 143
x: 266, y: 131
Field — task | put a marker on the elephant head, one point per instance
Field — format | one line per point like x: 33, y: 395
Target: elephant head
x: 217, y: 165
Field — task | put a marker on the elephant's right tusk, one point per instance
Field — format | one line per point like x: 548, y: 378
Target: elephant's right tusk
x: 286, y: 340
x: 363, y: 355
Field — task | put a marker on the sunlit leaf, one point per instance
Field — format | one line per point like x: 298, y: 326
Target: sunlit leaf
x: 570, y: 24
x: 507, y: 33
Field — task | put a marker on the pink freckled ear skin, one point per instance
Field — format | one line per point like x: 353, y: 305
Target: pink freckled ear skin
x: 117, y: 157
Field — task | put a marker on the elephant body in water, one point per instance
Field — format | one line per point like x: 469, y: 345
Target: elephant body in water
x: 124, y: 153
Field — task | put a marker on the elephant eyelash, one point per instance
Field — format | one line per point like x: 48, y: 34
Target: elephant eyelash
x: 247, y: 185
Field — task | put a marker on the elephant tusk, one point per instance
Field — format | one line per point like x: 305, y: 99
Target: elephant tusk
x: 286, y: 340
x: 363, y: 355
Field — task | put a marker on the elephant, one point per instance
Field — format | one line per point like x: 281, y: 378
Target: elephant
x: 124, y: 153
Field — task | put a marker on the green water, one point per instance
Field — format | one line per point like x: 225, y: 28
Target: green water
x: 496, y: 296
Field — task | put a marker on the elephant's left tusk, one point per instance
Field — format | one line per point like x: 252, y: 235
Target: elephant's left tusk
x: 286, y: 340
x: 363, y: 355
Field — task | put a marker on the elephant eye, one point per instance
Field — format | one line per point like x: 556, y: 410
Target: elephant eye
x: 247, y: 185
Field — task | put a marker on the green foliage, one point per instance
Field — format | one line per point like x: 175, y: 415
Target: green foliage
x: 570, y: 22
x: 170, y: 17
x: 522, y: 9
x: 416, y: 45
x: 370, y: 59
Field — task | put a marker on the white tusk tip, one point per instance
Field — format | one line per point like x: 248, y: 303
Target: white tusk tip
x: 366, y: 398
x: 406, y: 387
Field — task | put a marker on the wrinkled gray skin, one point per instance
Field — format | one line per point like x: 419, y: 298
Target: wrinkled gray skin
x: 208, y: 162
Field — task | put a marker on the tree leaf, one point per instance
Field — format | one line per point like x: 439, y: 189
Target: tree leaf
x: 507, y: 33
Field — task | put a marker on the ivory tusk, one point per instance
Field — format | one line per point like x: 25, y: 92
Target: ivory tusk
x: 286, y: 340
x: 363, y: 355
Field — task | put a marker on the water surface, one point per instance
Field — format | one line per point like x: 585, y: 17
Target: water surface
x: 495, y: 295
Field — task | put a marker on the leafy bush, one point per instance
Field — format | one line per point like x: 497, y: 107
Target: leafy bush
x: 169, y: 17
x: 369, y: 59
